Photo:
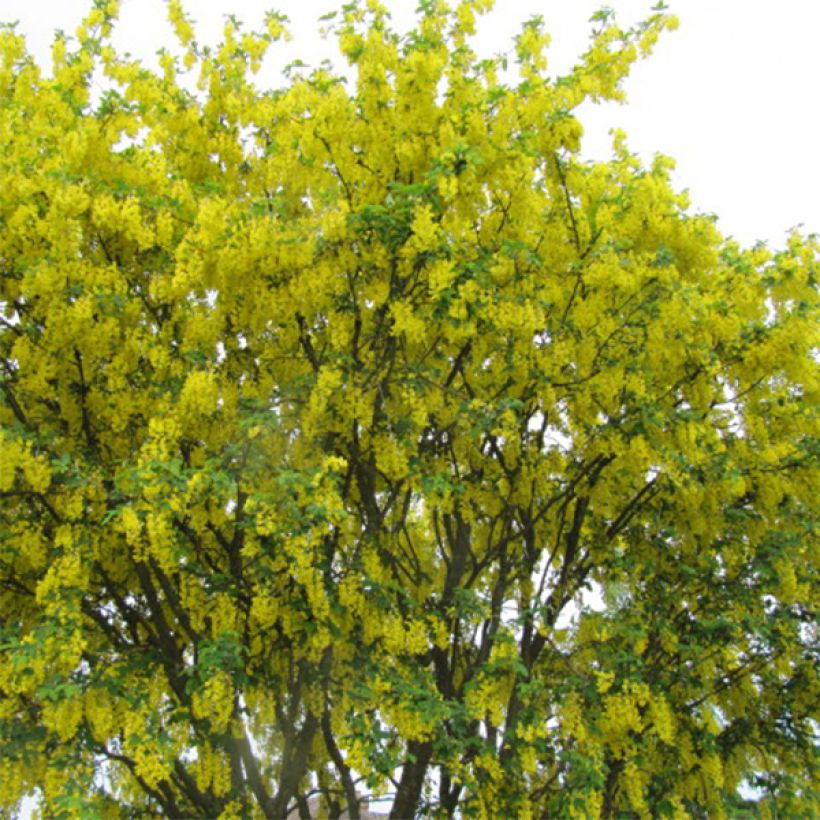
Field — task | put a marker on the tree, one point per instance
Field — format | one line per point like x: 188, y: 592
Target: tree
x: 362, y: 438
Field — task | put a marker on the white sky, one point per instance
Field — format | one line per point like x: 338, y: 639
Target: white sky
x: 729, y: 94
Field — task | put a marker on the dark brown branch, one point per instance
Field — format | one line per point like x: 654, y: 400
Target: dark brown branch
x: 416, y: 762
x: 307, y: 344
x: 341, y: 766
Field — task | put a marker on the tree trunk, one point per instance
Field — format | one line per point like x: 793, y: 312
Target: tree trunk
x: 412, y: 779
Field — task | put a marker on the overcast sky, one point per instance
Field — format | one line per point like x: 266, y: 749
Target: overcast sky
x: 730, y: 94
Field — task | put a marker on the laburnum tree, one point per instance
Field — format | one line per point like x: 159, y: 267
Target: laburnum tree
x: 360, y: 438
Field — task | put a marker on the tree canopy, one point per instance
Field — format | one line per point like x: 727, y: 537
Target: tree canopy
x: 360, y: 438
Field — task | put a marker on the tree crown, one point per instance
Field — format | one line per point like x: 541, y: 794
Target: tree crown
x: 322, y: 407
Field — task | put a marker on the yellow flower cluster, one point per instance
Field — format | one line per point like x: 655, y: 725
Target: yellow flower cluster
x: 212, y: 770
x: 214, y: 700
x: 16, y: 454
x: 485, y: 700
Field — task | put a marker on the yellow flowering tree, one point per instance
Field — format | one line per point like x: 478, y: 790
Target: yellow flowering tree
x: 324, y: 408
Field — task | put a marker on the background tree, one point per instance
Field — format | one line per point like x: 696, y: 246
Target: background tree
x: 321, y: 408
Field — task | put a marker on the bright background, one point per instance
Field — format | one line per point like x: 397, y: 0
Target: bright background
x: 729, y: 94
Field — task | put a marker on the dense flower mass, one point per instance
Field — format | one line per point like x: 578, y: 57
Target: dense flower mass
x: 324, y: 408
